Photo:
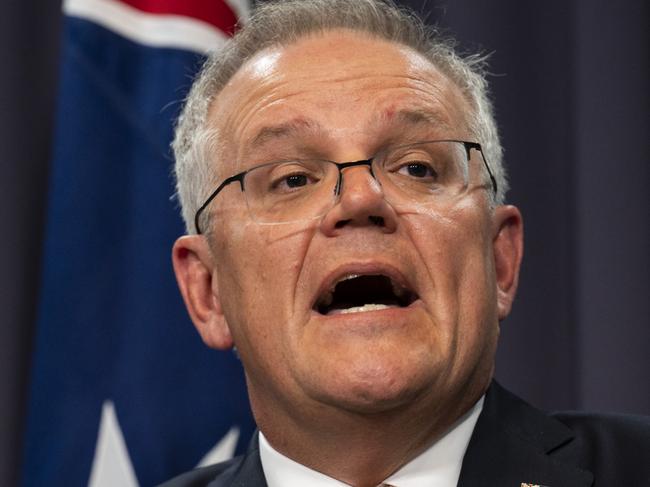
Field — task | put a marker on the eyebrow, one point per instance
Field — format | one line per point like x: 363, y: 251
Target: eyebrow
x: 298, y: 127
x: 421, y: 116
x: 292, y: 128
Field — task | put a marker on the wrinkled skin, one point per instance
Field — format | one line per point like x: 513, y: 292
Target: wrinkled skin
x: 385, y: 382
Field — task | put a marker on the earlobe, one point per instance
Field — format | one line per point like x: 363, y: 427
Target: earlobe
x: 508, y: 245
x: 196, y: 277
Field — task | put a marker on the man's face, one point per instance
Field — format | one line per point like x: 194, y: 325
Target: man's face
x: 343, y: 96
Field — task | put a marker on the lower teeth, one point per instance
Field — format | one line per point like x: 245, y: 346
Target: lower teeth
x: 365, y: 307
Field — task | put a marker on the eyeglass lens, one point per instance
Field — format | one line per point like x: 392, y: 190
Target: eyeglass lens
x: 417, y: 175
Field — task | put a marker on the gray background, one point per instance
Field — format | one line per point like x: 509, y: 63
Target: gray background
x: 571, y: 83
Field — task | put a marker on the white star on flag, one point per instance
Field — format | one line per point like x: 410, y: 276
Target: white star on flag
x: 112, y: 464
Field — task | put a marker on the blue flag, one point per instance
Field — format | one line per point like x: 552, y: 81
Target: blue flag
x: 123, y: 390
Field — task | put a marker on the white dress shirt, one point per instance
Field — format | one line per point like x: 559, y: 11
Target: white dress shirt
x: 438, y: 466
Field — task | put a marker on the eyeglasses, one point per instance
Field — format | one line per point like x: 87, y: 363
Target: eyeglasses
x: 413, y: 175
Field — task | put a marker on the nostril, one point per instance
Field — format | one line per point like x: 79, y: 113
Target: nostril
x: 341, y: 223
x: 377, y: 220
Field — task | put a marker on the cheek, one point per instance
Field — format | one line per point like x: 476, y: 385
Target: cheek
x: 456, y: 251
x: 457, y: 254
x: 259, y: 269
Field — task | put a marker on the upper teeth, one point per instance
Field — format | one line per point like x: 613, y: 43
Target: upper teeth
x: 345, y: 278
x: 327, y: 298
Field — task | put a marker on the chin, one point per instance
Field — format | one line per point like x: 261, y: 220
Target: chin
x: 372, y: 388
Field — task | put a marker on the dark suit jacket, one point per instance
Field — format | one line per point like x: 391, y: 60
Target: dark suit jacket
x: 513, y: 443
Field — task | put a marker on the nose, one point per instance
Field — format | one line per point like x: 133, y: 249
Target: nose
x: 361, y: 203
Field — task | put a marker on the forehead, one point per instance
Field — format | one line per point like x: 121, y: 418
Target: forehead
x: 334, y: 85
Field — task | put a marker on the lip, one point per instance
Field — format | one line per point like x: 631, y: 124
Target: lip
x: 392, y: 318
x: 358, y: 269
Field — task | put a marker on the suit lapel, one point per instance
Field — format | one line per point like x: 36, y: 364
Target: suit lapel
x: 247, y: 473
x: 514, y: 443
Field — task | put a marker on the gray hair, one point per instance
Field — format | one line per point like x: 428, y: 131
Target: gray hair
x: 284, y: 22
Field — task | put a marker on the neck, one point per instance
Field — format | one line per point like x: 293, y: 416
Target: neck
x: 361, y: 449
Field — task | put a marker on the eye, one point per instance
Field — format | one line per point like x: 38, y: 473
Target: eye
x: 292, y: 177
x: 418, y: 170
x: 291, y: 182
x: 413, y: 165
x: 296, y: 180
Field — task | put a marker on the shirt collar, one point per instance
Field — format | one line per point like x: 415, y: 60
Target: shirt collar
x: 438, y: 466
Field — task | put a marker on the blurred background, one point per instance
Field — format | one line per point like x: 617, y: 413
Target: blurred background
x: 82, y: 250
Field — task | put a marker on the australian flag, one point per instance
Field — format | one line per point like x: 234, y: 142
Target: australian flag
x: 124, y: 393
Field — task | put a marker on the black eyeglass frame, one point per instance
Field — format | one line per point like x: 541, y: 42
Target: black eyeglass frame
x: 340, y: 165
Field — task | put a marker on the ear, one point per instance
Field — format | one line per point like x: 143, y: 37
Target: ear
x: 508, y: 246
x: 196, y: 276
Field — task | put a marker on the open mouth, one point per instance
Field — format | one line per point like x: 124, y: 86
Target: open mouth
x: 358, y: 293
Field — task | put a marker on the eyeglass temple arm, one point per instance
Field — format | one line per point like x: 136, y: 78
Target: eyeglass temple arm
x: 475, y: 145
x: 237, y: 177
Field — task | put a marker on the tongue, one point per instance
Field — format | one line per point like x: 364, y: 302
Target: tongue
x: 359, y: 309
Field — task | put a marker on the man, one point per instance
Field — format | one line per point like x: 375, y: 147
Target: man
x: 341, y: 179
